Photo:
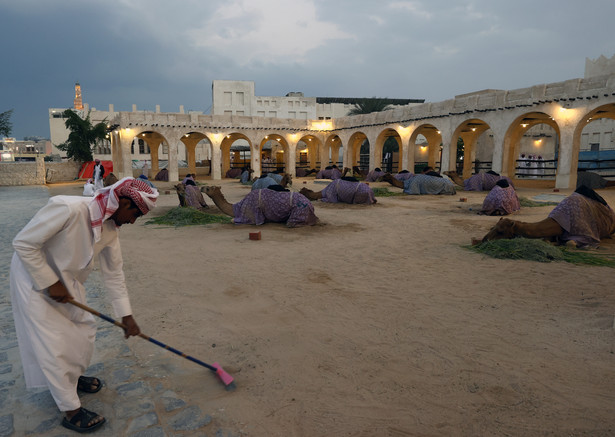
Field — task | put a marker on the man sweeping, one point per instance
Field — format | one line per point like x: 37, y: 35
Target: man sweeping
x: 54, y: 254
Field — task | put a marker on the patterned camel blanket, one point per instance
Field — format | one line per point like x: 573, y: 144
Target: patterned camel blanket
x: 266, y: 205
x: 425, y: 184
x: 584, y: 220
x: 501, y: 201
x: 348, y: 192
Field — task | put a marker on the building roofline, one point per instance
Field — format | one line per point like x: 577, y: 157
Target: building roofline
x: 355, y: 100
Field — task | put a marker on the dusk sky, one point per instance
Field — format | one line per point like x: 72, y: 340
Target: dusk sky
x: 167, y: 53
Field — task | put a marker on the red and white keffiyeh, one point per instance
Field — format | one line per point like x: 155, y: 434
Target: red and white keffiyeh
x: 107, y: 201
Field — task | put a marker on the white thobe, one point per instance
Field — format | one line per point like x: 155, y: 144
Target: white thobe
x: 56, y: 340
x: 98, y: 180
x: 88, y: 189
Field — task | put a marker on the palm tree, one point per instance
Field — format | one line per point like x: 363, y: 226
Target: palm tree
x: 367, y: 106
x: 83, y: 136
x: 5, y: 123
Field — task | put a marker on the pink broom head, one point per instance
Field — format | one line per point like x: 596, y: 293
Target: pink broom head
x: 224, y: 377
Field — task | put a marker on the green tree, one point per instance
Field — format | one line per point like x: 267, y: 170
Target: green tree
x: 83, y: 136
x: 5, y: 123
x: 367, y: 106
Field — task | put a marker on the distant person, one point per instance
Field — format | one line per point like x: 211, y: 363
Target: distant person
x: 99, y: 174
x: 88, y: 188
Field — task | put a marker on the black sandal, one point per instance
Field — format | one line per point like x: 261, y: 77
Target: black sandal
x: 86, y: 383
x: 79, y: 422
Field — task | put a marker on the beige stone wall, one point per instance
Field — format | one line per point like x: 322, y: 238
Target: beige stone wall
x: 37, y: 173
x: 62, y: 171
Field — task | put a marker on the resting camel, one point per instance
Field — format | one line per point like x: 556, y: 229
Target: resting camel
x: 479, y: 181
x: 272, y: 179
x: 501, y: 200
x: 303, y: 172
x: 109, y: 180
x: 372, y: 176
x: 583, y: 218
x: 344, y: 190
x: 190, y: 195
x: 422, y: 184
x: 329, y: 172
x: 592, y: 180
x: 266, y: 205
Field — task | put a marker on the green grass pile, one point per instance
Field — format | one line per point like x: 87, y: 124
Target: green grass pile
x: 538, y: 250
x: 188, y: 217
x: 384, y: 192
x: 528, y: 203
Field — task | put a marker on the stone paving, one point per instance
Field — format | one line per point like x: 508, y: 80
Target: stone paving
x: 137, y: 399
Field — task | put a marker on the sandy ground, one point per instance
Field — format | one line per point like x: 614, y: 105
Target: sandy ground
x: 377, y: 322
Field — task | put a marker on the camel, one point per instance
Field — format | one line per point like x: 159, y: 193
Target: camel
x: 190, y: 195
x: 272, y: 179
x: 329, y: 172
x: 477, y: 182
x: 421, y: 184
x: 342, y: 190
x: 266, y: 205
x: 454, y: 177
x: 583, y: 218
x: 501, y: 200
x: 109, y: 180
x: 372, y: 176
x: 303, y: 172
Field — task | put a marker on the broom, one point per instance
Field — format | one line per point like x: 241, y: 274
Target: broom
x: 226, y: 379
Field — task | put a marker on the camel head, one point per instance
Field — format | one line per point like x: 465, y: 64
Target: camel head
x: 287, y: 179
x: 212, y: 191
x: 181, y: 188
x: 305, y: 191
x: 503, y: 229
x: 387, y: 177
x: 450, y: 173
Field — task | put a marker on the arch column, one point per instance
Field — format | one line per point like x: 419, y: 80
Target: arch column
x: 172, y: 166
x: 291, y: 159
x: 190, y: 144
x: 498, y: 157
x: 216, y: 156
x: 375, y: 153
x: 123, y: 166
x: 154, y: 147
x: 447, y: 156
x: 566, y: 176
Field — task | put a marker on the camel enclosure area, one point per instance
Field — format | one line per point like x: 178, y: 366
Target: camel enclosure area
x: 376, y: 322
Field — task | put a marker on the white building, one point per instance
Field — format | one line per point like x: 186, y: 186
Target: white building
x: 237, y: 97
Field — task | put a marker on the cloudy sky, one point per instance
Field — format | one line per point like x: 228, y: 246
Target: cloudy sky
x: 161, y: 52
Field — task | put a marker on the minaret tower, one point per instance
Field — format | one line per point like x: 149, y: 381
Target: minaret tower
x: 78, y: 104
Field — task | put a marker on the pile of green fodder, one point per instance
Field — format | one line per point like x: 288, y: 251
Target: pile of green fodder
x: 188, y: 216
x: 539, y: 250
x: 528, y: 203
x: 384, y: 192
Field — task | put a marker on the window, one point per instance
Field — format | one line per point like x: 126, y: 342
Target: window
x: 228, y: 112
x: 141, y: 146
x: 273, y: 113
x: 260, y: 113
x: 240, y: 100
x: 228, y: 98
x: 303, y: 115
x: 292, y: 114
x: 240, y: 112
